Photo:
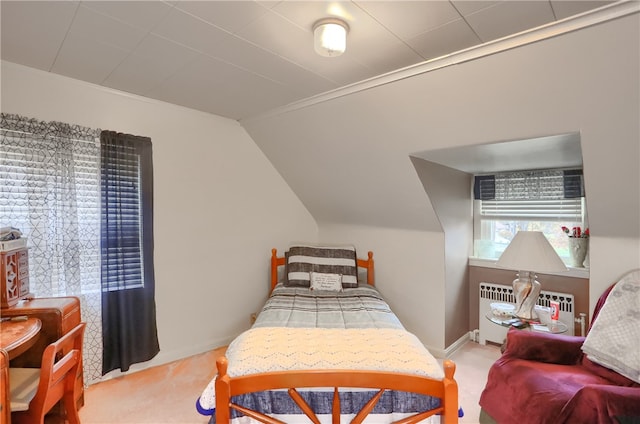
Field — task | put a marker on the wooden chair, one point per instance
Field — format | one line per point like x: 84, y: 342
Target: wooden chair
x: 5, y: 411
x: 34, y: 391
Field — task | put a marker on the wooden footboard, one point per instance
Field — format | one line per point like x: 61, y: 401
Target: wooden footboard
x: 255, y: 380
x: 445, y: 389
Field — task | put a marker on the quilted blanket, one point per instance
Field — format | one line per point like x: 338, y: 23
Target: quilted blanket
x: 302, y: 329
x: 270, y: 349
x: 361, y: 307
x: 266, y: 349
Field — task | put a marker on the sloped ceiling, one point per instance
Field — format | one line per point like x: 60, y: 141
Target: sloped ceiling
x: 348, y: 157
x: 557, y: 151
x: 240, y: 58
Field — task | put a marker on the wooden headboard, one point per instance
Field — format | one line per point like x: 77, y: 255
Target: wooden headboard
x: 277, y: 261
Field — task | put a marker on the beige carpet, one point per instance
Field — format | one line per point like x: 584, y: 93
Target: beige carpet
x: 167, y: 394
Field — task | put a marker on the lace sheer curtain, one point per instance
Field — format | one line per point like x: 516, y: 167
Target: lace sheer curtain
x: 50, y: 190
x: 548, y: 184
x: 530, y: 185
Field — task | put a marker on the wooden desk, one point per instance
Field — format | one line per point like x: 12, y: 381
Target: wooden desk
x: 15, y: 338
x: 18, y: 336
x: 58, y: 315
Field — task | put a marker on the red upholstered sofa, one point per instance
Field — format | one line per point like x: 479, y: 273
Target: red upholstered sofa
x: 546, y: 378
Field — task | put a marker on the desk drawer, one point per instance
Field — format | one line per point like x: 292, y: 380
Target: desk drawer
x: 23, y: 260
x: 14, y: 276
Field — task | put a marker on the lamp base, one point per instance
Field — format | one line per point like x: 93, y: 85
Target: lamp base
x: 526, y: 290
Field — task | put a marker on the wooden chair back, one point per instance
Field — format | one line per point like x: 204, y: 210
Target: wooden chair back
x: 61, y: 361
x: 5, y: 401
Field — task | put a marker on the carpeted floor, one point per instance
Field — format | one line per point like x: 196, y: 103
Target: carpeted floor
x: 167, y: 394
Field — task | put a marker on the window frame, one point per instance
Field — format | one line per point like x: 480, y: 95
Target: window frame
x: 133, y: 161
x: 487, y: 248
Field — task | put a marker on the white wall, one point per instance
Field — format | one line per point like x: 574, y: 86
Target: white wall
x: 220, y: 206
x: 449, y: 191
x: 584, y: 81
x: 408, y: 267
x: 623, y: 254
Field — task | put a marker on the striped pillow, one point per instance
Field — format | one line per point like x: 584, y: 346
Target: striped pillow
x: 326, y: 259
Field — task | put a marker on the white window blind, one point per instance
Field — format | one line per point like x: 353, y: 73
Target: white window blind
x: 49, y: 189
x: 552, y: 210
x: 122, y: 244
x: 531, y: 200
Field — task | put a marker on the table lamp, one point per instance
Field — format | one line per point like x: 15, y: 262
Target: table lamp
x: 529, y: 251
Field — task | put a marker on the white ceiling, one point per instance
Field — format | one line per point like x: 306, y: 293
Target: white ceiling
x: 241, y: 58
x: 556, y: 151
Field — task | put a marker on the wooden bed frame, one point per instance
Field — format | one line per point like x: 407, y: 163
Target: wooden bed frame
x: 226, y: 387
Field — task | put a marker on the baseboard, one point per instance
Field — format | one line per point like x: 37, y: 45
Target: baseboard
x: 464, y: 339
x: 446, y: 353
x: 164, y: 357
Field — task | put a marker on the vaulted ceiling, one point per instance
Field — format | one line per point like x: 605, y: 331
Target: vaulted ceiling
x: 349, y: 155
x: 347, y: 150
x: 238, y: 59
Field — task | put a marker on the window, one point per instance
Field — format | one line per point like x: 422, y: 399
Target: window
x: 84, y: 200
x: 122, y: 244
x: 129, y: 326
x: 50, y: 190
x: 537, y: 200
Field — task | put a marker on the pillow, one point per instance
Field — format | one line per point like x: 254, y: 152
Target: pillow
x: 303, y: 259
x: 323, y: 281
x: 285, y: 277
x: 612, y: 341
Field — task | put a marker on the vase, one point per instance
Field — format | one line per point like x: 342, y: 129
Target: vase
x: 578, y: 251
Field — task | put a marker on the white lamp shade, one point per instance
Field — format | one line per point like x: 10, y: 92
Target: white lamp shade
x: 330, y: 37
x: 531, y: 251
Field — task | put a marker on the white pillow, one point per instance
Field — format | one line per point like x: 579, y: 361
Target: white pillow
x: 613, y: 339
x: 324, y: 281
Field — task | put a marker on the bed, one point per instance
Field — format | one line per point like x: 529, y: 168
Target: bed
x: 327, y: 348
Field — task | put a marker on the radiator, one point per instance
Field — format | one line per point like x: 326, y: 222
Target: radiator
x: 490, y: 293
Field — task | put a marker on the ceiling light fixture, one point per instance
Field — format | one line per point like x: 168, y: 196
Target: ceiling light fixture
x: 330, y: 37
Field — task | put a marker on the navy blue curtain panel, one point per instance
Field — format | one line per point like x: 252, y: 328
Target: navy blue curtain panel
x: 484, y: 187
x: 129, y: 331
x: 573, y: 184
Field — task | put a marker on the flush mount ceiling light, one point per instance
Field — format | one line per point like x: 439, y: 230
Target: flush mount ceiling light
x: 330, y: 37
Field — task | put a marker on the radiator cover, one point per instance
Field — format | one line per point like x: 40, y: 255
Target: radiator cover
x: 491, y: 292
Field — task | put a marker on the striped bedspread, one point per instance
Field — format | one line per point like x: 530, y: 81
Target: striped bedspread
x: 298, y: 307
